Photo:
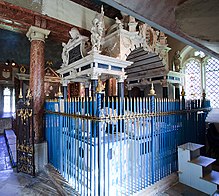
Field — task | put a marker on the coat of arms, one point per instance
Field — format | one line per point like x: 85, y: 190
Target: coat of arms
x: 6, y: 73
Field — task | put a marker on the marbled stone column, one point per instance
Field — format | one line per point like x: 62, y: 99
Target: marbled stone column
x: 94, y: 83
x: 165, y: 88
x: 177, y: 92
x: 107, y: 88
x: 86, y: 86
x: 65, y: 89
x: 121, y: 94
x: 141, y: 92
x: 129, y: 91
x: 37, y: 38
x: 121, y: 89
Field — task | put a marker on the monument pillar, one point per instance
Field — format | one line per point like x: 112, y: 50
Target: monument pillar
x: 37, y: 38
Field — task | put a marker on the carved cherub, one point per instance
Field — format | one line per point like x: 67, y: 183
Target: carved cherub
x: 64, y: 55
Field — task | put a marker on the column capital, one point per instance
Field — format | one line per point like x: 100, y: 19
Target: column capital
x: 129, y: 88
x: 36, y: 33
x: 86, y: 84
x: 95, y: 76
x: 164, y: 83
x: 121, y: 78
x: 64, y: 82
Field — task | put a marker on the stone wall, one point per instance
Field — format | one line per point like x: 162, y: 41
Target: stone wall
x: 5, y: 123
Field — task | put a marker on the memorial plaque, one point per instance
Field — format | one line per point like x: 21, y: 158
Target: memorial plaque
x: 75, y: 54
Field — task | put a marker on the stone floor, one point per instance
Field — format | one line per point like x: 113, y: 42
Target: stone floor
x: 19, y: 184
x: 6, y: 115
x: 179, y: 189
x: 5, y: 163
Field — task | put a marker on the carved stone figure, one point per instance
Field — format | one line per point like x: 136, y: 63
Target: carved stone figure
x: 96, y: 34
x: 74, y: 33
x: 119, y: 23
x: 97, y: 31
x: 64, y: 55
x: 143, y: 30
x: 176, y: 61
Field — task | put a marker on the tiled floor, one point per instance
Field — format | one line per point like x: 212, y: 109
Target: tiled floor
x: 19, y: 184
x: 179, y: 189
x: 4, y: 156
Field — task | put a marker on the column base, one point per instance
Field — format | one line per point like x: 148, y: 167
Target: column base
x: 41, y: 156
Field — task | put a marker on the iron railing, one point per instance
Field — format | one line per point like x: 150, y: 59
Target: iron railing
x: 112, y: 146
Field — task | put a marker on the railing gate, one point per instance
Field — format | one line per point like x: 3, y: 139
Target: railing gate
x: 25, y: 135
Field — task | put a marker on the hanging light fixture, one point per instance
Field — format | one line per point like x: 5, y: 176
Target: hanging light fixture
x: 13, y: 63
x: 7, y: 62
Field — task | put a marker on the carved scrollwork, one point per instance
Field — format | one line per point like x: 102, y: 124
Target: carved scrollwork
x: 24, y: 114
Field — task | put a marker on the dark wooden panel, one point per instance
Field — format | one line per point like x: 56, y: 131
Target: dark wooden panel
x: 149, y: 66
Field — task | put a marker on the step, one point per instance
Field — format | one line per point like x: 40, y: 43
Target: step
x: 191, y: 146
x: 212, y: 177
x: 203, y: 161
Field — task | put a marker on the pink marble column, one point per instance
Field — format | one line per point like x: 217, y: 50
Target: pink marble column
x: 37, y: 37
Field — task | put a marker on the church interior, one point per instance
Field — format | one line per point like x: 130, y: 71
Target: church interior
x: 109, y: 97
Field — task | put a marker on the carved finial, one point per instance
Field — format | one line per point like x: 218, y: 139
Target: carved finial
x: 183, y: 92
x: 119, y: 23
x: 20, y: 95
x: 49, y: 63
x: 59, y: 94
x: 22, y: 69
x: 100, y: 86
x: 28, y: 96
x: 152, y: 91
x: 102, y: 12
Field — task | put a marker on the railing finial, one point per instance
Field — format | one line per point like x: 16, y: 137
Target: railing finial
x: 152, y: 91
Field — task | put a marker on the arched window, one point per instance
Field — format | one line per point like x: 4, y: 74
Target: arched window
x: 193, y: 86
x: 7, y: 100
x: 212, y: 81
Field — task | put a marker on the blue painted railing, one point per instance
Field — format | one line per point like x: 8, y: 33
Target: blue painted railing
x: 103, y: 147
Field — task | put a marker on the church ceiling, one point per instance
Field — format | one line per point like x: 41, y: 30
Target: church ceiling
x: 194, y: 22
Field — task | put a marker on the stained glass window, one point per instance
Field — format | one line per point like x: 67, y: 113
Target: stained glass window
x: 193, y: 79
x: 212, y: 81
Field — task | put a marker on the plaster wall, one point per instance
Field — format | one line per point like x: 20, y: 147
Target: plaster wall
x: 71, y: 13
x: 35, y: 5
